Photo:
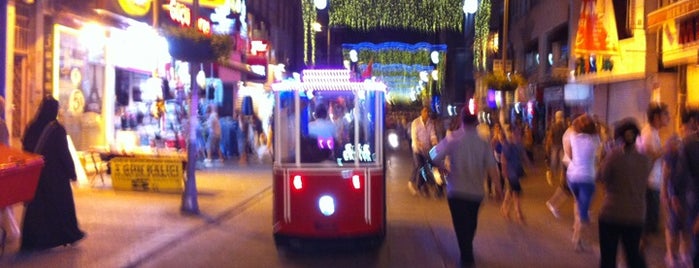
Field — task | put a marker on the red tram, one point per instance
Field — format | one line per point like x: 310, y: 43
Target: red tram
x: 329, y: 178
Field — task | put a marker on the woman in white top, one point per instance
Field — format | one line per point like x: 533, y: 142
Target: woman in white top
x: 583, y: 151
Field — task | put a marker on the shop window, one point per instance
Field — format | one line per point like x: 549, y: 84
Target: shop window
x: 623, y: 12
x: 689, y: 30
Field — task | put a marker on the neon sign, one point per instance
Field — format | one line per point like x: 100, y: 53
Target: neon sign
x: 182, y: 14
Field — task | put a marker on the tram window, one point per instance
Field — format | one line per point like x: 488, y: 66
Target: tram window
x: 286, y: 128
x: 345, y: 112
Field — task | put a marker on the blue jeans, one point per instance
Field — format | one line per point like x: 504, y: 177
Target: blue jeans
x: 583, y: 191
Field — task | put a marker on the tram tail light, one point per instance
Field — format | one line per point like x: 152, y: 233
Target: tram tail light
x: 356, y: 183
x: 298, y: 182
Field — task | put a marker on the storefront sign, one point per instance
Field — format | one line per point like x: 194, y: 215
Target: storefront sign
x: 671, y: 12
x: 183, y: 16
x: 180, y: 13
x: 136, y: 8
x: 147, y: 174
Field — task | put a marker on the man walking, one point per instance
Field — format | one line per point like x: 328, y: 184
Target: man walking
x: 469, y: 170
x: 650, y: 144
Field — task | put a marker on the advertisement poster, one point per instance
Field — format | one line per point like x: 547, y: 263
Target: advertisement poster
x: 147, y: 174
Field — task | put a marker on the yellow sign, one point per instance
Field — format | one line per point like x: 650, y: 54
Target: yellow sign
x: 135, y: 8
x: 147, y: 174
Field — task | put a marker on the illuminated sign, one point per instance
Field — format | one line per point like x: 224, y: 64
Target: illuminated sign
x: 147, y: 174
x: 183, y: 15
x: 207, y: 3
x: 136, y: 8
x: 362, y: 151
x: 223, y: 24
x: 180, y: 13
x: 258, y: 47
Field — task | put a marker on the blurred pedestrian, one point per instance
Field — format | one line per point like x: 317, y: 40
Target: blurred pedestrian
x: 465, y: 180
x: 623, y: 173
x: 7, y: 217
x: 49, y: 219
x: 513, y: 159
x: 558, y: 162
x: 498, y: 135
x: 651, y: 145
x: 581, y: 172
x: 690, y: 150
x: 213, y: 137
x: 673, y: 199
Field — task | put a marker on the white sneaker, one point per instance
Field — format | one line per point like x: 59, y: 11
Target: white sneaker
x: 553, y: 210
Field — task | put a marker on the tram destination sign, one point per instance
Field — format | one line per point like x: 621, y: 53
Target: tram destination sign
x: 147, y: 174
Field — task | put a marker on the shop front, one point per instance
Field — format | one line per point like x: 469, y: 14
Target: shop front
x: 676, y: 24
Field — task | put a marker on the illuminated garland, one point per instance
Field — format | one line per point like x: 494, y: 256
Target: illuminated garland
x: 480, y: 43
x: 398, y: 65
x: 309, y: 35
x: 418, y: 15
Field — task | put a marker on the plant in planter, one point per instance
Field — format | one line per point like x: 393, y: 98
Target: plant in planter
x: 189, y: 44
x: 504, y: 82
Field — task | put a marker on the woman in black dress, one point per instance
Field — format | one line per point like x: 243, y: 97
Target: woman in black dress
x: 49, y: 219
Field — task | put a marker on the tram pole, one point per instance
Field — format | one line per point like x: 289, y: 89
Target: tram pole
x: 190, y: 204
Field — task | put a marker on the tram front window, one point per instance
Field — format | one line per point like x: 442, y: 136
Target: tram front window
x: 340, y: 128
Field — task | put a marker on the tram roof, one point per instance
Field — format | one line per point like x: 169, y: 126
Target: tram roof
x: 331, y: 80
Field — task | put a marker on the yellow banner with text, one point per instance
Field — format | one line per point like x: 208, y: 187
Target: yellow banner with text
x: 147, y: 174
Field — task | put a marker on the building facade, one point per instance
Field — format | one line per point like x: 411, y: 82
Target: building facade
x: 47, y: 52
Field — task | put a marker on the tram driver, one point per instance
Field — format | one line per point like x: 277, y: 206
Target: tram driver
x: 322, y: 133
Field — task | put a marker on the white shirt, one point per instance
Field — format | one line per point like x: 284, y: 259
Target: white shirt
x: 583, y: 163
x: 422, y: 134
x: 649, y: 143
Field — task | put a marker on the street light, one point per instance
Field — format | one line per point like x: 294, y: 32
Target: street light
x: 320, y: 4
x: 470, y: 6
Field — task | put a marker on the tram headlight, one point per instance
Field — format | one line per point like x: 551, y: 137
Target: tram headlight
x: 326, y: 204
x: 393, y: 140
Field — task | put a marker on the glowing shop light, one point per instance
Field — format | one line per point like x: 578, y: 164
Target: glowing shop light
x: 353, y: 55
x: 472, y: 106
x: 201, y: 79
x: 435, y: 75
x: 498, y: 99
x: 326, y: 204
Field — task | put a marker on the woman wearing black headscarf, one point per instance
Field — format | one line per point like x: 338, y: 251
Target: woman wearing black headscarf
x: 49, y: 219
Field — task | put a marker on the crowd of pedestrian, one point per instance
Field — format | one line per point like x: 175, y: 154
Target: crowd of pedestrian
x: 648, y: 185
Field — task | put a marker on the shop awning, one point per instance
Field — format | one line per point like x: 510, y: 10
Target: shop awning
x: 596, y: 29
